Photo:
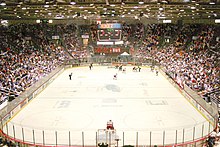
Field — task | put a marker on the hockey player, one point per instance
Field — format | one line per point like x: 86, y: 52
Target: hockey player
x: 110, y: 125
x: 70, y: 76
x: 115, y: 77
x: 156, y: 72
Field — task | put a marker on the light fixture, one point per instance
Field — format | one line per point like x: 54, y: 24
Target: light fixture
x: 141, y: 2
x: 38, y: 21
x: 50, y: 21
x: 167, y: 21
x: 4, y: 21
x: 161, y: 9
x: 217, y: 20
x: 46, y: 6
x: 3, y: 3
x: 211, y: 3
x: 72, y: 3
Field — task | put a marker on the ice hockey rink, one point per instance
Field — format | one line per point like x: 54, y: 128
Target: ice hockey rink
x: 145, y: 109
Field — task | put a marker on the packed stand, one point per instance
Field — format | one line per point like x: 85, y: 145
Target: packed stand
x: 154, y: 34
x: 21, y: 62
x: 74, y: 47
x: 126, y: 31
x: 198, y: 67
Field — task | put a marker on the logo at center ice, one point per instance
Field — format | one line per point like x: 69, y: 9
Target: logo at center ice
x: 113, y: 88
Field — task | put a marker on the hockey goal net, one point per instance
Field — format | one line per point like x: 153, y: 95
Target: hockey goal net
x: 107, y: 137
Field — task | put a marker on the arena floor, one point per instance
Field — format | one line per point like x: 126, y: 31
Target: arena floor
x: 145, y: 108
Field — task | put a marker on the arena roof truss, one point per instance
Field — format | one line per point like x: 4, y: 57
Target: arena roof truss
x: 176, y: 10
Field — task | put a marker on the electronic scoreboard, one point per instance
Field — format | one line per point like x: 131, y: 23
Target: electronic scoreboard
x: 109, y: 32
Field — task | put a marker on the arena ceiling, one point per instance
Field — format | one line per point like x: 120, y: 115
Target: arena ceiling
x: 110, y: 9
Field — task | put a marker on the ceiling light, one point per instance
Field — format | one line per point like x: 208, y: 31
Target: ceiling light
x: 59, y: 16
x: 164, y: 1
x: 112, y: 5
x: 38, y: 21
x: 72, y: 3
x: 167, y: 21
x: 46, y: 6
x: 193, y: 7
x: 217, y: 20
x: 211, y: 3
x: 141, y: 2
x: 4, y: 21
x: 50, y: 21
x: 2, y: 3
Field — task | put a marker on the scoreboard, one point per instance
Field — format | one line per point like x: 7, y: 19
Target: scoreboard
x: 109, y: 32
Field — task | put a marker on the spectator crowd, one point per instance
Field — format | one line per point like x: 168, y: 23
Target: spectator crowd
x: 31, y: 51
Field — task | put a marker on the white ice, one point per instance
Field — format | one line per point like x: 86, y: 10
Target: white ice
x: 145, y: 108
